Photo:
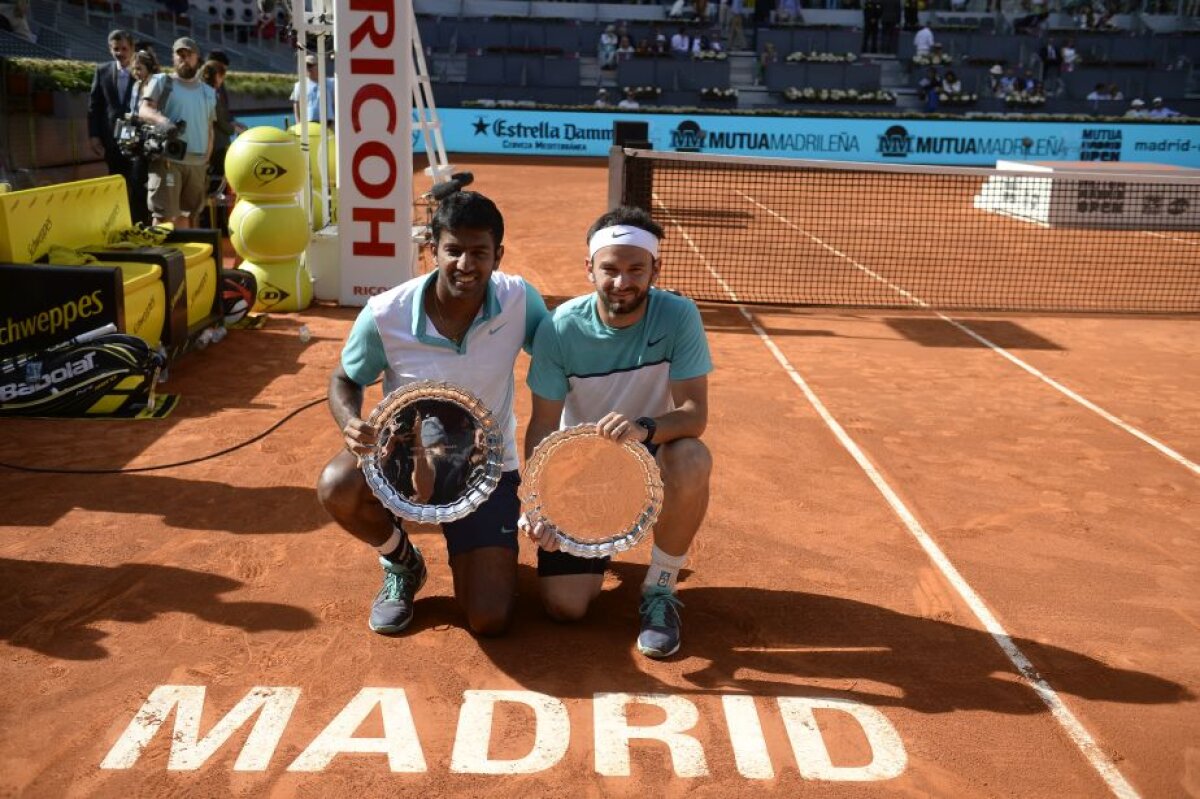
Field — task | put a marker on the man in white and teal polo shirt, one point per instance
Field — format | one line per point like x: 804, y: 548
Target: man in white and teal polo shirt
x: 464, y: 324
x: 633, y: 360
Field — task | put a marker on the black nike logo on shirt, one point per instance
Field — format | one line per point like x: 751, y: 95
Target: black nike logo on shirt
x: 655, y: 341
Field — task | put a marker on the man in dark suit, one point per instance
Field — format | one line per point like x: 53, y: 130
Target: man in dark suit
x: 872, y: 14
x: 108, y: 102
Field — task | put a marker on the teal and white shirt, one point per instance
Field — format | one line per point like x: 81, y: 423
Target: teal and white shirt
x: 394, y: 336
x: 597, y: 369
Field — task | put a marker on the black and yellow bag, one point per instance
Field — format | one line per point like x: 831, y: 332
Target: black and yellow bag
x: 102, y: 374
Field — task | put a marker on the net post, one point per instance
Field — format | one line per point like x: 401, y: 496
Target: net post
x: 616, y: 175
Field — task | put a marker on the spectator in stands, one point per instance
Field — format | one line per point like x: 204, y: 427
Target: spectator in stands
x: 701, y: 9
x: 923, y: 40
x: 889, y: 20
x: 950, y: 83
x: 312, y: 94
x: 680, y: 10
x: 872, y: 12
x: 1115, y: 93
x: 629, y: 101
x: 1070, y: 56
x: 1137, y: 109
x: 912, y: 14
x: 724, y: 13
x: 681, y: 43
x: 625, y: 48
x: 606, y: 52
x: 1099, y: 93
x: 14, y: 18
x: 703, y: 44
x: 1051, y: 58
x: 1160, y: 111
x: 927, y: 89
x: 602, y: 98
x: 112, y: 86
x: 1008, y: 83
x: 996, y: 80
x: 1031, y: 23
x: 177, y: 188
x: 765, y: 59
x: 787, y: 12
x: 1027, y: 81
x: 662, y: 45
x: 737, y: 21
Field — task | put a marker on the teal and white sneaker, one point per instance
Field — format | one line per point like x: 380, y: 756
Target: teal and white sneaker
x: 393, y: 607
x: 661, y: 626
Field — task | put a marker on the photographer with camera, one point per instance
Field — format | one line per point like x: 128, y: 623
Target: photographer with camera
x: 181, y: 108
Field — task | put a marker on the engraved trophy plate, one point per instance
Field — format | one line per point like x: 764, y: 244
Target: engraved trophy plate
x: 439, y: 454
x: 599, y: 497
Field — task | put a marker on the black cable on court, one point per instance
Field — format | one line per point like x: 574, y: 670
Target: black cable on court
x: 130, y: 470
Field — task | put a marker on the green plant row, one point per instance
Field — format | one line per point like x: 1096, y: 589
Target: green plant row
x: 75, y: 77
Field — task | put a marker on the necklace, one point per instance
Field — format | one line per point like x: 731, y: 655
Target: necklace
x: 454, y: 332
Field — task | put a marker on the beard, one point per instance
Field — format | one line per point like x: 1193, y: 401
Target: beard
x: 621, y: 306
x: 186, y: 71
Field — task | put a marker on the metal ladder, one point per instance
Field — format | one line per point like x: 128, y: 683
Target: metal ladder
x: 427, y: 116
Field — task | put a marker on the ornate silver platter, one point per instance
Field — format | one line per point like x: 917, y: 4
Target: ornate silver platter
x: 439, y: 454
x: 598, y: 497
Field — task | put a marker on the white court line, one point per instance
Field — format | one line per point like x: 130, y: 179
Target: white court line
x: 1075, y: 730
x: 1171, y: 238
x: 1057, y: 386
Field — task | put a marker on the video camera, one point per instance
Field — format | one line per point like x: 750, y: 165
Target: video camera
x: 138, y: 138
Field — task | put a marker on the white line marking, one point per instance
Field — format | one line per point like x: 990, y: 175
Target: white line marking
x: 1188, y: 242
x: 1075, y: 730
x: 1057, y: 386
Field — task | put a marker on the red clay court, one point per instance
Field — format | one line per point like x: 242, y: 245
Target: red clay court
x: 948, y: 554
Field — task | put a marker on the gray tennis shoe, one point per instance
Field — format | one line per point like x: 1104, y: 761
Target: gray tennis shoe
x: 661, y: 626
x: 393, y: 607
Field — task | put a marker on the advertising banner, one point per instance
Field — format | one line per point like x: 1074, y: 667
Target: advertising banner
x: 962, y: 142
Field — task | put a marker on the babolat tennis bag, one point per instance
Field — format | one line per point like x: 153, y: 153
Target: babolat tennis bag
x: 98, y: 374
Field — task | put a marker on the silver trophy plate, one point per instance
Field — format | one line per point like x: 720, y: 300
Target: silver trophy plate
x: 597, y: 496
x: 439, y: 454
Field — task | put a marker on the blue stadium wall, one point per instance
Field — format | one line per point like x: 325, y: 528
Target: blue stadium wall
x: 952, y: 142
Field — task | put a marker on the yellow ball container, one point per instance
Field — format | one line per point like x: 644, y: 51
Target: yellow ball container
x: 283, y: 286
x: 265, y: 162
x: 265, y: 231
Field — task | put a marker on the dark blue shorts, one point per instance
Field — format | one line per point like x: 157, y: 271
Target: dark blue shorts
x: 557, y: 564
x: 493, y: 524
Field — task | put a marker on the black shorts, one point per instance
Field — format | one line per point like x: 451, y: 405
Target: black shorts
x: 492, y: 524
x: 557, y: 564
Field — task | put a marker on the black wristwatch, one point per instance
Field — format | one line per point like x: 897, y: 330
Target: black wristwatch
x: 651, y: 427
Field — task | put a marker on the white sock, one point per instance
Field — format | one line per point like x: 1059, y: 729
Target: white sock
x: 394, y: 543
x: 664, y: 570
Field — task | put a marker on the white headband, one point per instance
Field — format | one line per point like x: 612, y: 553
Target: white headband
x: 622, y: 234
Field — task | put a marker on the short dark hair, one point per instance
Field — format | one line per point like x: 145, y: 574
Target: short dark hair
x: 219, y: 56
x: 626, y: 215
x: 121, y: 35
x: 468, y: 209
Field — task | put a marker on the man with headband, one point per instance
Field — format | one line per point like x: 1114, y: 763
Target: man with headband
x: 463, y: 323
x: 633, y: 360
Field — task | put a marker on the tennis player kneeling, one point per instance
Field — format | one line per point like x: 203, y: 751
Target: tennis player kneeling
x: 634, y: 361
x: 463, y: 323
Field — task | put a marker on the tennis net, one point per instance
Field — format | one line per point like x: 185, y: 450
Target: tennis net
x: 1075, y: 239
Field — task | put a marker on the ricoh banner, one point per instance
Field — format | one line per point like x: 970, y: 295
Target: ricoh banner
x: 962, y: 142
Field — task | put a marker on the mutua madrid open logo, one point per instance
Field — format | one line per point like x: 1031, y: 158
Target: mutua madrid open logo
x: 267, y: 171
x: 688, y: 137
x: 895, y: 142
